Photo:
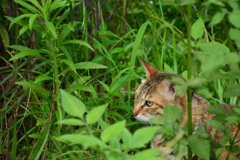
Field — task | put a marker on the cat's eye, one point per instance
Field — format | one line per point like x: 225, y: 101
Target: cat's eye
x: 149, y: 103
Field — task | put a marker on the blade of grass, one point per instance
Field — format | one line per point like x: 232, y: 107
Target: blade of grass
x: 189, y: 91
x: 136, y: 45
x: 14, y: 143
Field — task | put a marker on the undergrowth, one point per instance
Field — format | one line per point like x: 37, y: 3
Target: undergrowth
x: 69, y: 70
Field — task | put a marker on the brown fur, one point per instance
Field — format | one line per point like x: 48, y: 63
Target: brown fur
x: 160, y: 91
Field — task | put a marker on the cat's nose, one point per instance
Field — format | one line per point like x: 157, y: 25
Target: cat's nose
x: 135, y: 113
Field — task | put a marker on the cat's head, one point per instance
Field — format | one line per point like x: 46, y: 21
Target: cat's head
x: 154, y: 94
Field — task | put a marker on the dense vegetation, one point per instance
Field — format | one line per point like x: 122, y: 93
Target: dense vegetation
x: 69, y: 70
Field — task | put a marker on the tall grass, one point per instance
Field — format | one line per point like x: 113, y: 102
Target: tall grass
x: 99, y: 63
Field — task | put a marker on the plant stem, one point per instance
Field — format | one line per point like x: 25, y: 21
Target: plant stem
x: 189, y: 92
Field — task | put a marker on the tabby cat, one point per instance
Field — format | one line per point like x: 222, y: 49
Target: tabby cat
x: 155, y: 92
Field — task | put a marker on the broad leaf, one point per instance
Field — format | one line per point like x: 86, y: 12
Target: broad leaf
x: 127, y: 138
x: 173, y: 113
x: 72, y: 105
x: 200, y: 147
x: 85, y: 140
x: 215, y: 124
x: 147, y: 155
x: 234, y: 18
x: 112, y: 131
x: 197, y: 29
x: 216, y: 109
x: 94, y: 115
x: 143, y: 136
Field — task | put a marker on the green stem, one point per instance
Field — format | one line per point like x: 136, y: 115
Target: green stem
x: 189, y: 92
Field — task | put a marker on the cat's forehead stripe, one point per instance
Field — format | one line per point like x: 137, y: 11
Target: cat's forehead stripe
x: 149, y: 86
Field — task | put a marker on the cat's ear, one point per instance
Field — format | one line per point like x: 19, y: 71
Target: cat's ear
x: 150, y: 70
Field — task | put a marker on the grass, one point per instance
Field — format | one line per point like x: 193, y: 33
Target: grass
x: 128, y: 32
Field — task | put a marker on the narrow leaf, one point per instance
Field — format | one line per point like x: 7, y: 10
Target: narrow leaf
x: 71, y: 121
x: 52, y: 29
x: 121, y: 82
x: 89, y: 65
x: 37, y: 88
x: 79, y: 42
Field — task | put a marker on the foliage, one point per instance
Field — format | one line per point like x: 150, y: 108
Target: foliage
x: 53, y: 50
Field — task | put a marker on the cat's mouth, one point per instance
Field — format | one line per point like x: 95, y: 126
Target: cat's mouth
x: 142, y: 119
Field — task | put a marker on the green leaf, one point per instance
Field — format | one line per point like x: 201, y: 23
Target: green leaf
x: 4, y: 36
x: 233, y: 33
x: 202, y: 132
x: 225, y: 139
x: 35, y: 2
x: 200, y: 147
x: 14, y: 142
x: 216, y: 109
x: 70, y: 64
x: 18, y: 18
x: 180, y: 89
x: 143, y: 136
x: 137, y: 42
x: 195, y: 82
x: 197, y: 29
x: 94, y: 115
x: 232, y: 149
x: 173, y: 113
x: 217, y: 18
x: 23, y: 30
x: 42, y: 146
x: 112, y: 131
x: 215, y: 124
x: 52, y: 29
x: 237, y: 110
x: 168, y: 69
x: 85, y: 140
x: 121, y: 82
x: 72, y: 105
x: 42, y: 77
x: 27, y: 6
x: 31, y: 20
x: 66, y: 30
x: 89, y: 65
x: 19, y: 48
x: 79, y: 42
x: 80, y: 87
x: 149, y: 154
x: 30, y: 52
x: 56, y: 4
x: 37, y: 88
x: 71, y: 121
x: 232, y: 91
x: 234, y: 18
x: 40, y: 121
x: 127, y: 138
x: 232, y: 119
x: 104, y: 85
